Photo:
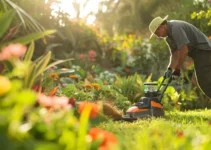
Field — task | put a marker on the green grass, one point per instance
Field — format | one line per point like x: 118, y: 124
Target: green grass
x: 177, y: 130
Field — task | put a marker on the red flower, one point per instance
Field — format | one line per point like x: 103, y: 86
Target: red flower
x: 179, y: 134
x: 108, y: 138
x: 71, y: 101
x: 94, y: 108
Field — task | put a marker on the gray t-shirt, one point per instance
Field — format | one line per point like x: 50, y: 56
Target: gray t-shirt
x: 181, y: 33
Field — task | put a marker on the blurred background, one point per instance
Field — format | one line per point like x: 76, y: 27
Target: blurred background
x: 107, y: 34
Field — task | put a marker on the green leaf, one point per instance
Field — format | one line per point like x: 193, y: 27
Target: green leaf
x: 57, y: 62
x: 41, y: 65
x: 5, y: 22
x: 8, y: 65
x: 51, y: 46
x: 29, y: 52
x: 31, y: 37
x: 30, y: 77
x: 43, y: 145
x: 25, y: 18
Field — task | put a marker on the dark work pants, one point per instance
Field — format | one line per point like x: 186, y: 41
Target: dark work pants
x: 202, y: 63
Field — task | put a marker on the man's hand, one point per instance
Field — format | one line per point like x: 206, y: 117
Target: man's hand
x: 168, y: 73
x: 176, y: 74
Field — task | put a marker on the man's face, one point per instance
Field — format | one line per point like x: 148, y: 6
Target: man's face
x: 161, y: 31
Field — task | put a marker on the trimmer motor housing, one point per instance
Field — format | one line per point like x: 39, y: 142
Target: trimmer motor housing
x: 147, y: 107
x: 150, y: 105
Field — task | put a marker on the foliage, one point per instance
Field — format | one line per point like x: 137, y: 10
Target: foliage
x: 131, y: 87
x: 96, y: 92
x: 26, y: 124
x: 205, y: 16
x: 25, y: 18
x: 132, y: 54
x: 24, y: 40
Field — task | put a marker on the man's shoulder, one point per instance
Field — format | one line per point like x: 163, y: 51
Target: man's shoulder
x: 178, y: 23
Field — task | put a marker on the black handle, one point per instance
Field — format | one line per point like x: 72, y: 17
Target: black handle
x: 165, y: 87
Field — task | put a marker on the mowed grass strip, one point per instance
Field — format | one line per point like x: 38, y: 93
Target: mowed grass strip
x: 177, y: 130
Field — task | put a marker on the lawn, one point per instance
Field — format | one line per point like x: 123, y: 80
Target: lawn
x: 177, y: 130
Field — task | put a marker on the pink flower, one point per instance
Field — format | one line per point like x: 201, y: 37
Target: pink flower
x: 54, y: 102
x: 82, y: 56
x: 44, y: 100
x: 92, y: 55
x: 13, y: 50
x: 60, y: 102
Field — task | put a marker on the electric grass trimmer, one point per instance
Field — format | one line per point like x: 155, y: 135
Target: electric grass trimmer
x: 150, y: 105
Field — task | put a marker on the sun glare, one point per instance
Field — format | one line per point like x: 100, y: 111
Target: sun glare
x: 87, y: 10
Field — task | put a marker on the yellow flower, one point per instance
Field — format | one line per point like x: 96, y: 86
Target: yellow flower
x: 125, y: 44
x: 5, y: 85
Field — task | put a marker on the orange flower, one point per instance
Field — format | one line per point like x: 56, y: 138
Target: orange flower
x: 179, y: 133
x: 5, y: 85
x: 54, y: 76
x: 95, y: 85
x: 94, y: 108
x: 189, y: 65
x: 13, y: 50
x: 87, y: 86
x: 108, y: 138
x: 73, y: 76
x: 53, y: 91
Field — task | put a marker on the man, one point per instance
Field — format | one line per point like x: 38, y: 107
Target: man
x: 184, y: 40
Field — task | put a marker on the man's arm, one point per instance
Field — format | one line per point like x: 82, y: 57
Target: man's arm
x: 178, y: 58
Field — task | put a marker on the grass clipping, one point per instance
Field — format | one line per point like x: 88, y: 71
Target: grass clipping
x: 111, y: 111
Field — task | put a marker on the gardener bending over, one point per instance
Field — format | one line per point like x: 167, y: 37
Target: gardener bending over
x: 184, y: 40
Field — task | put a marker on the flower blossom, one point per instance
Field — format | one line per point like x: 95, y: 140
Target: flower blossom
x: 5, y: 85
x: 94, y: 108
x: 108, y: 138
x: 54, y: 102
x: 92, y: 55
x: 82, y: 57
x: 13, y: 50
